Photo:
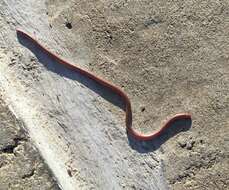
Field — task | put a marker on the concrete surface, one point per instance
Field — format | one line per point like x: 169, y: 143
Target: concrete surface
x: 21, y: 166
x: 169, y: 56
x: 83, y: 143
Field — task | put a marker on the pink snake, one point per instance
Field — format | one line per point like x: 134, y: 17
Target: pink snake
x: 117, y: 90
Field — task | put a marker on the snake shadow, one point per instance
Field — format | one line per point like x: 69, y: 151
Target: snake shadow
x: 176, y: 127
x: 52, y: 65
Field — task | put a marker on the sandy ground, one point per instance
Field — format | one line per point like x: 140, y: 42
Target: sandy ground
x: 21, y: 166
x: 168, y: 56
x: 83, y: 143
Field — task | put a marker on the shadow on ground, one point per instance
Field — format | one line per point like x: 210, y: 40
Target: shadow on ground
x: 176, y: 127
x: 52, y: 64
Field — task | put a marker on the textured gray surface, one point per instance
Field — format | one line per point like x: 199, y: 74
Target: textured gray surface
x: 21, y: 166
x: 169, y: 56
x: 66, y: 111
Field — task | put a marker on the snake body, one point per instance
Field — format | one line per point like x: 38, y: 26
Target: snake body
x: 115, y: 89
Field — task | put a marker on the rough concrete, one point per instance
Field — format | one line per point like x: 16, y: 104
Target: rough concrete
x: 21, y: 166
x: 169, y: 56
x: 88, y: 147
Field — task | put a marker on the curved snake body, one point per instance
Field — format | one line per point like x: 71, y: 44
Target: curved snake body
x: 117, y: 90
